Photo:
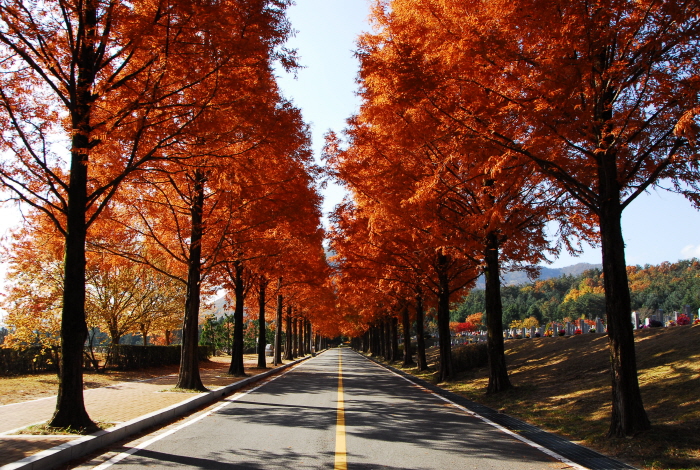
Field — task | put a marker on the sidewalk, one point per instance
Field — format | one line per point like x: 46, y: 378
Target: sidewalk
x: 115, y: 404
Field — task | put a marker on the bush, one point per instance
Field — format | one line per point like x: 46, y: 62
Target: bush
x: 125, y: 357
x: 32, y: 360
x: 471, y: 356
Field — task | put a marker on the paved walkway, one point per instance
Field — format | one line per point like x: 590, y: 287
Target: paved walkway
x: 116, y: 403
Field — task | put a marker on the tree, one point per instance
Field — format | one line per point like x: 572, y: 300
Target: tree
x: 114, y: 84
x: 602, y: 98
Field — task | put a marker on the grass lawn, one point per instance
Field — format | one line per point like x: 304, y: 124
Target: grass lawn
x: 30, y: 387
x: 563, y: 386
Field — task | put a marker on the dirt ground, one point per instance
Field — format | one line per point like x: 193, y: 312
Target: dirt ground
x: 563, y: 385
x: 30, y: 387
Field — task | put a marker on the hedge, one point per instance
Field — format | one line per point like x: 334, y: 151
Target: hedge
x: 32, y: 360
x: 35, y: 359
x: 126, y: 357
x: 470, y: 356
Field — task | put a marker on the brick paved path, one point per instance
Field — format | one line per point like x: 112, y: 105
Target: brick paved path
x: 116, y: 403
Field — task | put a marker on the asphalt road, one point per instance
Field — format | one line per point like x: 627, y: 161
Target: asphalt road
x: 369, y: 418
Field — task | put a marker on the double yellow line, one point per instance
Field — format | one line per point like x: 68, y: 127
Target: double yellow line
x: 341, y: 461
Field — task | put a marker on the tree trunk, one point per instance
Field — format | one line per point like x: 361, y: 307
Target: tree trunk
x: 288, y: 354
x: 498, y: 373
x: 70, y: 406
x: 188, y: 377
x: 295, y: 334
x: 278, y: 332
x: 628, y: 414
x: 144, y: 333
x: 394, y: 327
x: 309, y: 337
x: 443, y: 314
x: 365, y: 341
x: 406, y: 323
x: 262, y: 339
x: 420, y: 333
x: 236, y: 368
x: 383, y: 350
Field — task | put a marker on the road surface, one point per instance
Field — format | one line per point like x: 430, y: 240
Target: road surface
x: 336, y: 411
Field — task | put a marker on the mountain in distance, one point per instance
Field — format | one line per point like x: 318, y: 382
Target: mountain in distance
x: 519, y: 277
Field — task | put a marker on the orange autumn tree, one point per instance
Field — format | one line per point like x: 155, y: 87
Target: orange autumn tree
x: 94, y: 91
x: 601, y: 97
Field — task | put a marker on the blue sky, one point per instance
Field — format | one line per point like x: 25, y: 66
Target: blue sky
x: 657, y: 227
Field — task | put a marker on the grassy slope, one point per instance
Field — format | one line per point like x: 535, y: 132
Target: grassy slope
x: 563, y: 386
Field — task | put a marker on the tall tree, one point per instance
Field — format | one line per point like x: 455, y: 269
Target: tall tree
x: 114, y: 84
x: 601, y: 97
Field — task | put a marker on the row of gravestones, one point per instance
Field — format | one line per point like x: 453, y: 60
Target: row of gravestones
x: 660, y: 317
x: 569, y: 329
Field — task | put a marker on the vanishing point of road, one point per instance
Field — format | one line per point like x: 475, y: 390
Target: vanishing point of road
x: 338, y: 410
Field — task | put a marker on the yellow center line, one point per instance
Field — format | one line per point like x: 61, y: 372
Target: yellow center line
x: 341, y: 462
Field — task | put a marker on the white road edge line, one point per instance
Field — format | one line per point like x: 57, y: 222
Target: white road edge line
x: 117, y: 458
x: 527, y: 441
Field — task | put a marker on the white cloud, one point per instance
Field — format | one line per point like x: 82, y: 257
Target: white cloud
x: 691, y: 251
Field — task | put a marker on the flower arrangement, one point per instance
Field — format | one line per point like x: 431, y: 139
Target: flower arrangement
x: 527, y: 335
x: 537, y: 334
x: 549, y: 333
x: 518, y: 336
x: 683, y: 319
x: 562, y: 332
x: 592, y: 330
x: 671, y: 323
x: 697, y: 321
x: 578, y: 331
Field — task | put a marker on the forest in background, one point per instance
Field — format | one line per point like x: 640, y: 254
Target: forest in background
x: 667, y: 286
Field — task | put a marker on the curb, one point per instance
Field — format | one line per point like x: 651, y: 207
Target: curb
x: 580, y: 456
x: 55, y: 456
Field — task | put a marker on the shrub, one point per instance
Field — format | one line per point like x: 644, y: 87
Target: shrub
x: 592, y: 330
x: 123, y: 356
x: 578, y: 331
x: 562, y: 332
x: 655, y: 324
x: 471, y: 356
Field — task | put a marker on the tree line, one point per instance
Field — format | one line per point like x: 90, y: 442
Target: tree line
x: 493, y: 135
x: 667, y: 287
x: 156, y: 162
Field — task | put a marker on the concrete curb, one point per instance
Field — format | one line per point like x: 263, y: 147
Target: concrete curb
x: 55, y: 456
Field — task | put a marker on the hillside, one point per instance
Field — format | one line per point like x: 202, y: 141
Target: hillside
x: 563, y: 386
x: 519, y: 277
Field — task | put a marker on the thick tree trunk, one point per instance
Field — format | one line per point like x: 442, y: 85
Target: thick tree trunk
x: 70, y: 406
x: 262, y: 340
x: 236, y: 368
x: 365, y: 341
x: 406, y: 323
x: 277, y: 360
x: 420, y: 333
x: 394, y: 327
x: 628, y: 414
x: 498, y: 373
x: 443, y: 313
x: 189, y: 378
